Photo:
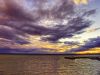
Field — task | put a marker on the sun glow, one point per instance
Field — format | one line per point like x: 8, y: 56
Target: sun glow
x: 35, y: 42
x: 77, y: 2
x: 90, y: 51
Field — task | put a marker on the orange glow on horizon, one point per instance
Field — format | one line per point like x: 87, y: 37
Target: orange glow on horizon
x: 47, y: 47
x: 90, y: 51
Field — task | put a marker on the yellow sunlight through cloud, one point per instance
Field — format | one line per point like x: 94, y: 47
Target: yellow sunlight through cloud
x: 90, y: 51
x: 35, y: 42
x: 77, y: 2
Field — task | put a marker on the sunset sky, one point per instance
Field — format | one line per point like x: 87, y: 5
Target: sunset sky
x: 50, y: 27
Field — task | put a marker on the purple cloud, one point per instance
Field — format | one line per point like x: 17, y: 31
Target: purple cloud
x: 22, y: 21
x: 92, y: 43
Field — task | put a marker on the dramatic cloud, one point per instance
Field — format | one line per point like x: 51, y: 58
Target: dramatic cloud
x: 50, y: 20
x: 92, y: 43
x: 22, y: 21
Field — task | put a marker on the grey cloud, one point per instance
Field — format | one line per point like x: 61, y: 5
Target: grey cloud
x: 21, y: 21
x: 91, y: 43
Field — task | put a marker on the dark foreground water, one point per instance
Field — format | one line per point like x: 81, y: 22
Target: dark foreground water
x: 47, y: 65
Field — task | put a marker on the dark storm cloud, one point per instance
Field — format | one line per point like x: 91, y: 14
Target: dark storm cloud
x: 25, y: 51
x: 12, y: 34
x: 74, y: 25
x: 71, y: 43
x: 15, y: 11
x: 92, y: 43
x: 21, y: 21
